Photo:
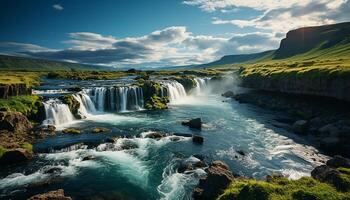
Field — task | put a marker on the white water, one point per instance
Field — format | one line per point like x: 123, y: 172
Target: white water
x: 57, y: 113
x: 120, y: 99
x: 175, y: 91
x: 201, y: 85
x: 87, y: 107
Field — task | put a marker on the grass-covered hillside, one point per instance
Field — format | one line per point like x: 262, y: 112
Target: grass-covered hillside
x: 31, y: 64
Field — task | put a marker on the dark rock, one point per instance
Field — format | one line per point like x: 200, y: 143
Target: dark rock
x: 16, y: 89
x: 240, y: 152
x: 15, y: 156
x: 183, y: 134
x: 155, y: 135
x: 217, y: 179
x: 228, y: 94
x: 300, y: 126
x: 128, y: 144
x: 14, y: 122
x: 332, y: 176
x: 75, y: 89
x: 52, y: 195
x: 197, y: 139
x: 338, y: 161
x: 71, y: 131
x: 191, y: 163
x: 90, y: 157
x: 193, y: 123
x: 132, y: 70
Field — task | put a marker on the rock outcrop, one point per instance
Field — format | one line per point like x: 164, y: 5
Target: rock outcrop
x: 217, y: 179
x: 15, y: 156
x: 52, y: 195
x: 7, y: 90
x: 14, y: 122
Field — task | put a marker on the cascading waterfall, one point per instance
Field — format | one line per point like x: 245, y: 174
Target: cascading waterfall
x: 120, y: 99
x: 57, y: 113
x: 202, y: 84
x: 87, y: 107
x: 175, y: 90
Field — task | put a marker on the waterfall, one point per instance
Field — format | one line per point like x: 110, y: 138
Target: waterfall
x: 87, y: 107
x: 119, y: 99
x: 175, y: 90
x: 57, y: 113
x: 201, y: 85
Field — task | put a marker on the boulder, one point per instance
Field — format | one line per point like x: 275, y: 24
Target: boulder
x: 228, y: 94
x: 90, y: 157
x: 14, y: 156
x: 14, y: 122
x: 338, y: 161
x: 332, y: 176
x: 99, y: 130
x: 155, y: 135
x: 191, y: 163
x: 197, y: 139
x: 52, y: 195
x: 71, y: 131
x: 193, y: 123
x: 300, y: 126
x: 217, y: 179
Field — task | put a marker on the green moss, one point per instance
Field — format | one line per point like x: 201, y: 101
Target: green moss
x: 27, y: 146
x: 30, y: 105
x: 279, y: 188
x: 344, y: 170
x: 73, y: 105
x: 187, y: 81
x: 2, y: 150
x: 157, y: 103
x: 71, y: 131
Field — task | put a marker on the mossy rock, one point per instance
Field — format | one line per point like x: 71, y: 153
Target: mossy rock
x: 157, y: 103
x: 71, y: 131
x: 73, y: 105
x: 99, y: 130
x: 187, y: 82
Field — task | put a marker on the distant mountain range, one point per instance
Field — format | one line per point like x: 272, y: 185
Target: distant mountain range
x: 308, y: 43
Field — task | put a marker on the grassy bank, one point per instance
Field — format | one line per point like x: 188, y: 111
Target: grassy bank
x: 279, y: 188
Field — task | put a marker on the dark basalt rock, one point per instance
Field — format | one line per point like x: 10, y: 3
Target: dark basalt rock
x: 217, y: 179
x: 88, y: 158
x: 7, y: 90
x: 15, y: 156
x: 332, y: 176
x: 300, y: 127
x: 52, y: 195
x: 193, y: 123
x: 338, y: 161
x: 53, y: 170
x: 228, y: 94
x: 155, y: 135
x: 191, y: 164
x: 187, y: 82
x: 197, y: 139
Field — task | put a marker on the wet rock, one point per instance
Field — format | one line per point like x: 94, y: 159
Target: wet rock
x: 14, y: 122
x: 228, y: 94
x: 300, y: 127
x: 128, y: 144
x: 193, y: 123
x: 183, y: 134
x: 99, y: 130
x: 191, y: 163
x: 15, y: 156
x: 338, y: 161
x: 90, y: 157
x: 197, y: 139
x: 155, y: 135
x: 217, y: 179
x: 52, y: 195
x: 240, y: 152
x: 111, y: 140
x: 71, y: 131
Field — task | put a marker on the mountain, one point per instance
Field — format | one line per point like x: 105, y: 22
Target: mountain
x: 308, y: 43
x: 32, y: 64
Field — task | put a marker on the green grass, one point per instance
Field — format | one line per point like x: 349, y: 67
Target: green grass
x: 27, y: 105
x: 2, y: 150
x: 278, y: 188
x: 27, y: 146
x: 29, y: 78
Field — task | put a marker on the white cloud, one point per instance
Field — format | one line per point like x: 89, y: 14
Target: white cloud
x: 57, y: 7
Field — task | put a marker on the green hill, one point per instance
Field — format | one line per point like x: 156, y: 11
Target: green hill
x: 31, y: 64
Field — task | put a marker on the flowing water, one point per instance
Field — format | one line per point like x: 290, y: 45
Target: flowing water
x: 138, y: 167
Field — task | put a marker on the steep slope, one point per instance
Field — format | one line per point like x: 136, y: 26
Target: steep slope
x: 31, y: 64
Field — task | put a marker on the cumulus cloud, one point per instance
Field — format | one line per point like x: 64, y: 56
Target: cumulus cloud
x: 170, y: 46
x: 282, y: 16
x: 57, y: 7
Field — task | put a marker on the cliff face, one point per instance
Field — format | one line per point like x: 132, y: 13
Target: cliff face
x: 305, y: 39
x: 17, y: 89
x: 329, y: 86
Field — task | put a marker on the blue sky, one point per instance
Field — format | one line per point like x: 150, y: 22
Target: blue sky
x: 154, y: 33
